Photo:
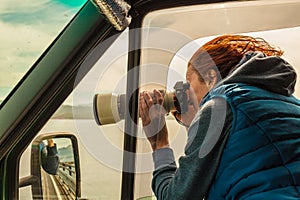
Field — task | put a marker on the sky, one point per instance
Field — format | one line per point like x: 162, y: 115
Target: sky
x: 27, y: 28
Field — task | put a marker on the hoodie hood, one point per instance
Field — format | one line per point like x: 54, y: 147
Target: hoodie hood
x: 271, y: 73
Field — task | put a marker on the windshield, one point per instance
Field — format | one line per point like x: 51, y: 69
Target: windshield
x: 27, y: 28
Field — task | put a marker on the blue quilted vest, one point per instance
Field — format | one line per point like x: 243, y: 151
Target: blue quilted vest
x: 261, y: 159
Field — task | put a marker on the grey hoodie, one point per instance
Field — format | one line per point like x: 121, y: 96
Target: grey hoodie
x: 196, y: 171
x: 270, y: 73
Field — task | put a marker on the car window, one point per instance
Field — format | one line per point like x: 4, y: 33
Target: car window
x: 100, y: 147
x: 27, y: 29
x: 171, y: 36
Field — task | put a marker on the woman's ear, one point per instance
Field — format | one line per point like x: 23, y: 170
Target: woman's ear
x: 211, y: 78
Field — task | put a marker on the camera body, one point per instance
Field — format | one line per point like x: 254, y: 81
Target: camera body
x: 110, y: 108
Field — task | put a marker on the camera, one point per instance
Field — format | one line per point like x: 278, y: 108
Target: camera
x: 110, y: 108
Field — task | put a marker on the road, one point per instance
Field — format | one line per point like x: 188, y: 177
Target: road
x: 50, y: 188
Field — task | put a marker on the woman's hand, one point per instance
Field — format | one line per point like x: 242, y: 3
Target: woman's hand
x: 186, y: 118
x: 152, y: 113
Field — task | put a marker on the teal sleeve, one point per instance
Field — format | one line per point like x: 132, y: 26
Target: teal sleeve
x: 196, y: 171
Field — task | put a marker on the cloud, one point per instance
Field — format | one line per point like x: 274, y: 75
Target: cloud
x: 27, y: 28
x: 21, y: 45
x: 30, y: 6
x: 11, y: 6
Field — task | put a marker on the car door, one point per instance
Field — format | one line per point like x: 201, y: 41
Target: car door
x: 90, y: 57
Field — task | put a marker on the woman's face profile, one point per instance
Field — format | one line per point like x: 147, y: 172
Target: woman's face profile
x: 198, y: 89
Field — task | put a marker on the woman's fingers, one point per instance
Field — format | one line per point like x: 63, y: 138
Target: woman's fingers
x: 151, y: 106
x: 152, y: 113
x: 148, y: 99
x: 159, y: 97
x: 144, y: 110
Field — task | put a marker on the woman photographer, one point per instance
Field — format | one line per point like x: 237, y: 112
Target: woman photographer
x: 244, y: 126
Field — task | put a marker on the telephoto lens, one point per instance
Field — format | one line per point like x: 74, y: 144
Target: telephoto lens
x: 110, y: 108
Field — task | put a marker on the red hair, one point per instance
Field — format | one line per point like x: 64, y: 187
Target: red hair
x: 225, y: 52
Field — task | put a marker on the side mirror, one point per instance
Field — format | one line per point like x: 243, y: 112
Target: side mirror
x: 55, y: 170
